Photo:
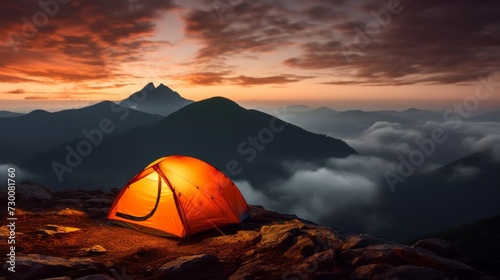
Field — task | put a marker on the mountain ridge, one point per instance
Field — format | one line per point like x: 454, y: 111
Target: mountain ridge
x: 216, y: 130
x: 161, y: 100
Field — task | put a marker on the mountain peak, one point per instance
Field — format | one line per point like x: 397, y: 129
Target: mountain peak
x: 160, y: 100
x: 221, y: 101
x: 38, y: 112
x: 149, y: 86
x: 412, y: 110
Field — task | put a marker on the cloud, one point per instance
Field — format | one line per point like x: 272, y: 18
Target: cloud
x: 248, y: 27
x: 391, y: 140
x: 279, y: 79
x: 36, y: 97
x: 332, y: 194
x: 410, y: 49
x: 221, y: 78
x: 17, y: 91
x: 81, y: 41
x: 464, y: 173
x: 385, y: 139
x: 20, y: 174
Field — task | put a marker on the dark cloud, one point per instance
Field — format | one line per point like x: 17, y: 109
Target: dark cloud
x: 251, y: 27
x: 14, y: 79
x: 205, y: 78
x: 321, y: 13
x: 220, y: 78
x: 17, y: 91
x: 433, y: 42
x: 80, y: 40
x: 36, y: 97
x: 280, y: 79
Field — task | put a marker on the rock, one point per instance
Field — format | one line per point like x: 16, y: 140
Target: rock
x: 360, y: 241
x: 35, y: 266
x: 99, y: 277
x: 20, y: 212
x: 50, y: 230
x: 409, y: 272
x: 315, y: 265
x: 438, y: 246
x: 70, y: 212
x: 240, y: 237
x: 395, y: 255
x: 304, y: 247
x: 32, y: 192
x: 370, y: 270
x: 185, y: 264
x: 5, y: 232
x: 94, y: 250
x: 255, y: 269
x: 100, y: 201
x: 280, y: 236
x: 74, y: 202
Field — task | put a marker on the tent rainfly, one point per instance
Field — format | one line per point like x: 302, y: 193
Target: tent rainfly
x: 178, y: 196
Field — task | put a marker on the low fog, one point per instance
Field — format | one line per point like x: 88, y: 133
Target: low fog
x: 349, y: 193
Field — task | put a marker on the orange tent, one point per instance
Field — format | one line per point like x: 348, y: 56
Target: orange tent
x: 180, y: 196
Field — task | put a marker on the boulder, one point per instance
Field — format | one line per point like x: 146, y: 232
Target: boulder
x: 50, y: 230
x: 395, y: 255
x: 94, y: 250
x: 32, y: 192
x: 256, y: 269
x: 186, y: 264
x: 5, y: 232
x: 304, y: 247
x: 370, y: 270
x: 280, y: 236
x: 438, y: 246
x: 70, y: 212
x: 36, y: 266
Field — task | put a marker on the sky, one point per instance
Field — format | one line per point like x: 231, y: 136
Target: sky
x: 374, y: 54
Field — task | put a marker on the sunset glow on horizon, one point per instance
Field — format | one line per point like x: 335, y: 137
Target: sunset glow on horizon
x: 341, y: 54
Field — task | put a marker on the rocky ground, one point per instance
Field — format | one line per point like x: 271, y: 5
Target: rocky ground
x: 64, y: 235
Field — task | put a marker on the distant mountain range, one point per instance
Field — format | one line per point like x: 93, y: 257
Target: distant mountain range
x: 7, y: 114
x: 493, y: 116
x: 159, y: 100
x: 345, y: 124
x: 246, y: 144
x: 38, y: 131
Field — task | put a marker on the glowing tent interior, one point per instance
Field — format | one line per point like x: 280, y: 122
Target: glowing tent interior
x: 178, y: 196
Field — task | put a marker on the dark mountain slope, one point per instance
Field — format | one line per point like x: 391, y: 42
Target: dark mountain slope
x: 246, y: 144
x: 460, y: 192
x: 38, y: 131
